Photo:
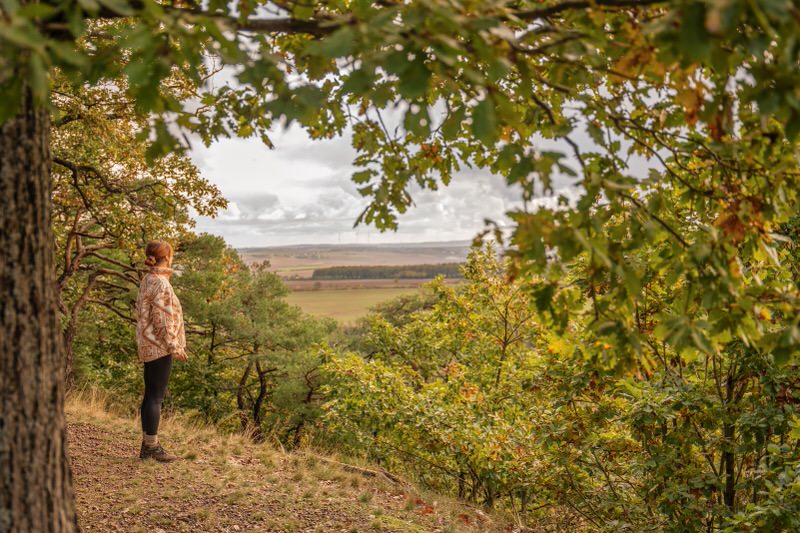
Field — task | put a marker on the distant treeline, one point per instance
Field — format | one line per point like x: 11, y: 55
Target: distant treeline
x: 449, y: 270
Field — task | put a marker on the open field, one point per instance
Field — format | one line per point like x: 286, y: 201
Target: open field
x: 350, y: 284
x: 348, y: 299
x: 345, y: 305
x: 301, y: 260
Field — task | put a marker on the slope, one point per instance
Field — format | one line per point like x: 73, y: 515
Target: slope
x: 227, y: 483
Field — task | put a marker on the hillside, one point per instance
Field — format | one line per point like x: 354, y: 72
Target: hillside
x: 226, y: 483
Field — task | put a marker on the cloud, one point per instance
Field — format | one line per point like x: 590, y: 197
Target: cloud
x: 256, y: 203
x: 301, y: 192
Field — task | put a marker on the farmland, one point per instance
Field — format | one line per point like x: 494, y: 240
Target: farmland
x: 347, y: 299
x: 300, y: 261
x: 345, y: 305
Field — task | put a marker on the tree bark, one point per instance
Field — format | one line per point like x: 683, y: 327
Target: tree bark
x: 298, y: 428
x: 35, y: 480
x: 71, y: 331
x: 728, y: 460
x: 240, y: 392
x: 258, y: 434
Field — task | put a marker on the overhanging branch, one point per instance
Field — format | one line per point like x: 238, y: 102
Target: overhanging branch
x: 555, y: 9
x: 322, y: 25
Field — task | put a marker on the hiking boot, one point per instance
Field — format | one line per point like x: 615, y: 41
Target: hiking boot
x: 156, y: 452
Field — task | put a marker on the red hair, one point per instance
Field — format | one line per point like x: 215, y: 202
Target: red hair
x: 156, y: 252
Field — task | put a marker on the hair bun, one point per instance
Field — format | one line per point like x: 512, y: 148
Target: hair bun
x: 157, y: 252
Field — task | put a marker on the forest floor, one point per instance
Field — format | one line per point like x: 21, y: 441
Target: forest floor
x: 227, y: 483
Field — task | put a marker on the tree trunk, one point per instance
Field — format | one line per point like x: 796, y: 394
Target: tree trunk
x: 730, y: 466
x: 68, y: 347
x: 244, y: 417
x: 71, y: 331
x: 729, y: 434
x: 35, y: 480
x: 258, y: 434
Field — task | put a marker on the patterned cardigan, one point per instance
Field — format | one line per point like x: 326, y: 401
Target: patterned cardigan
x: 159, y: 317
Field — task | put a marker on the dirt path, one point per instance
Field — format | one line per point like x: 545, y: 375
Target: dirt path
x: 223, y: 483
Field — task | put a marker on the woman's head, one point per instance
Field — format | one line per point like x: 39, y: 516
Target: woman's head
x: 158, y: 253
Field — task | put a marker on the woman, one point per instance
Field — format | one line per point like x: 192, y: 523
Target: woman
x: 161, y: 338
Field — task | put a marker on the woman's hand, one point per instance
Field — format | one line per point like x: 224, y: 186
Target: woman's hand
x: 180, y: 356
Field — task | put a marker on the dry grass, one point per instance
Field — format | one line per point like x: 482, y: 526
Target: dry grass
x: 227, y: 483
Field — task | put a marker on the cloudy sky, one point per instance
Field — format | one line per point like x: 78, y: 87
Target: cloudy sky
x: 300, y: 193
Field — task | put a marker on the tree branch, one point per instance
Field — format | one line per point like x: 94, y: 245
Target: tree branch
x: 317, y: 27
x: 549, y: 11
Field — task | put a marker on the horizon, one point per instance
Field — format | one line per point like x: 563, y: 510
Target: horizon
x: 452, y: 242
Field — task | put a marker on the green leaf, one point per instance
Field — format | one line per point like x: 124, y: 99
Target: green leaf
x: 303, y: 10
x: 417, y: 121
x: 37, y: 10
x: 357, y: 82
x: 38, y: 78
x: 10, y: 95
x: 700, y: 341
x: 25, y: 37
x: 163, y: 144
x: 543, y: 296
x: 120, y: 7
x: 11, y: 7
x: 498, y: 69
x: 75, y: 21
x: 452, y: 124
x: 694, y: 40
x: 91, y: 6
x: 484, y: 122
x: 788, y: 345
x: 597, y: 134
x: 792, y: 127
x: 414, y: 81
x: 339, y: 44
x: 397, y: 62
x: 245, y: 130
x: 363, y: 176
x: 67, y: 54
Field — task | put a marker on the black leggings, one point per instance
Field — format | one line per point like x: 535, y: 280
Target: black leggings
x: 156, y: 377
